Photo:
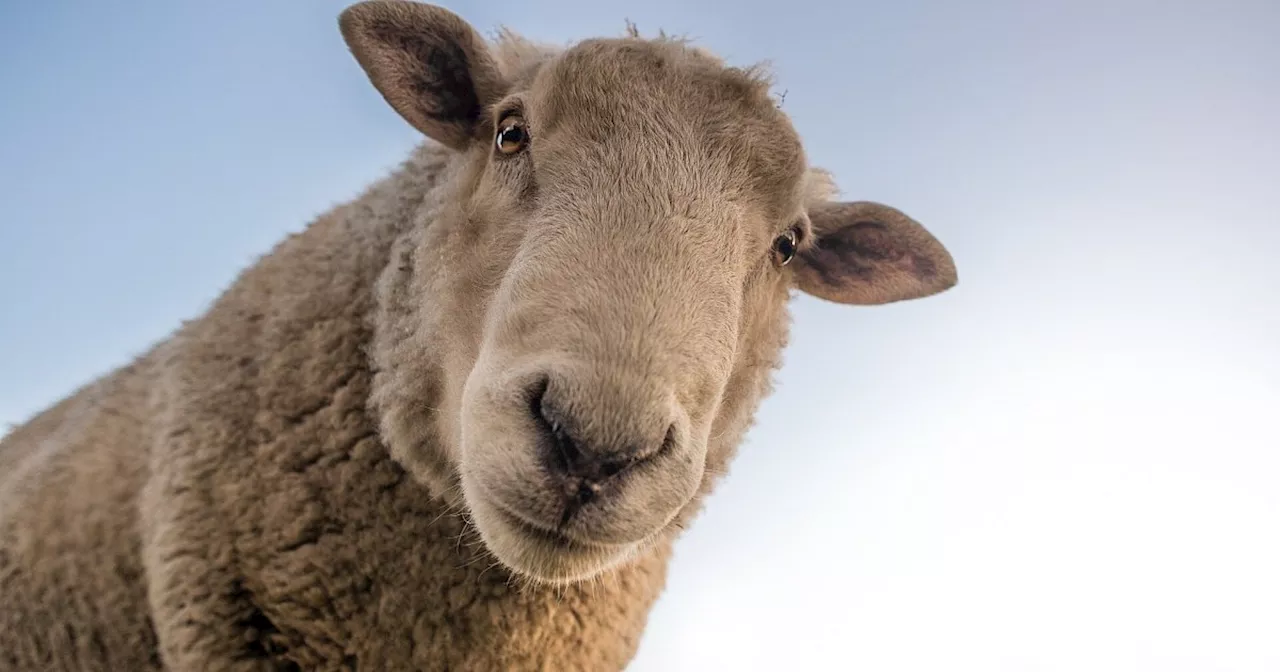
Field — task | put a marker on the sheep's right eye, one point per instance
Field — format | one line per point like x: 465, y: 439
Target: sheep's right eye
x: 513, y: 136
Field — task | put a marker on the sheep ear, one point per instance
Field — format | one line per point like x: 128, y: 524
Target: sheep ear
x: 866, y: 253
x: 431, y: 66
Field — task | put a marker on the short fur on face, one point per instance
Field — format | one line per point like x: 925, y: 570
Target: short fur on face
x: 577, y: 344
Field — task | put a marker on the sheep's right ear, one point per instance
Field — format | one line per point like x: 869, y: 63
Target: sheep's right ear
x: 431, y: 66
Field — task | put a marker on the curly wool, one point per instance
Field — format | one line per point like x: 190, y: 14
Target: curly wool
x: 228, y: 493
x: 227, y: 501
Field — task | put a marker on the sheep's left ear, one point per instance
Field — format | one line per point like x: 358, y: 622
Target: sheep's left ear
x: 866, y: 253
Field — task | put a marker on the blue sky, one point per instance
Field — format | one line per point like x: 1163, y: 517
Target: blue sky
x: 1066, y: 463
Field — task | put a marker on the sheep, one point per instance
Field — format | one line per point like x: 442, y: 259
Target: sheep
x: 457, y: 422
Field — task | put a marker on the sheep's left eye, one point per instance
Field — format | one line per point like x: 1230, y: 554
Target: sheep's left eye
x: 784, y: 248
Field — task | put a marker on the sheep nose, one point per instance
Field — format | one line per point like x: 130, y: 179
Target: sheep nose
x: 581, y: 462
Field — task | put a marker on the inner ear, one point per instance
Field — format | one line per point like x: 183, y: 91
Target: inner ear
x: 866, y: 253
x: 431, y: 66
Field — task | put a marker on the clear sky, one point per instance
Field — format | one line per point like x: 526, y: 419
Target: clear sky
x: 1069, y: 462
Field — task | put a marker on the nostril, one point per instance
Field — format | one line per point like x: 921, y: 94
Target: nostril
x: 537, y: 396
x: 562, y: 452
x: 611, y: 467
x: 578, y: 464
x: 668, y: 442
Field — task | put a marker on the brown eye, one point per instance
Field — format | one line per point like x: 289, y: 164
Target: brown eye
x: 512, y: 135
x: 784, y: 248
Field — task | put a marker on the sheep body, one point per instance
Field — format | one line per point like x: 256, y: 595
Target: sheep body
x: 346, y: 462
x: 228, y: 491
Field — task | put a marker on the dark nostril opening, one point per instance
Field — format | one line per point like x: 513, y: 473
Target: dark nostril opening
x: 668, y: 441
x: 583, y: 469
x: 537, y: 393
x: 613, y: 467
x: 562, y: 452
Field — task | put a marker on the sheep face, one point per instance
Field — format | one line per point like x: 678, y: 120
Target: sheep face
x: 614, y: 263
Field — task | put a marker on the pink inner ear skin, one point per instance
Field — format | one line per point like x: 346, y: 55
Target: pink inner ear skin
x: 866, y: 254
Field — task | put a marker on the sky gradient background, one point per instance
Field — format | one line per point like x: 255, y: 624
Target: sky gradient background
x: 1069, y: 462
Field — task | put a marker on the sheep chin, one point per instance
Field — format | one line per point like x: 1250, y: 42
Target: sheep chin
x: 539, y: 556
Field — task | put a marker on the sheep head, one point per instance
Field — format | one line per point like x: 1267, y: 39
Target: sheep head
x: 607, y: 282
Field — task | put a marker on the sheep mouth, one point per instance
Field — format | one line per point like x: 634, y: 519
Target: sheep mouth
x: 546, y: 536
x: 550, y: 537
x: 540, y: 552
